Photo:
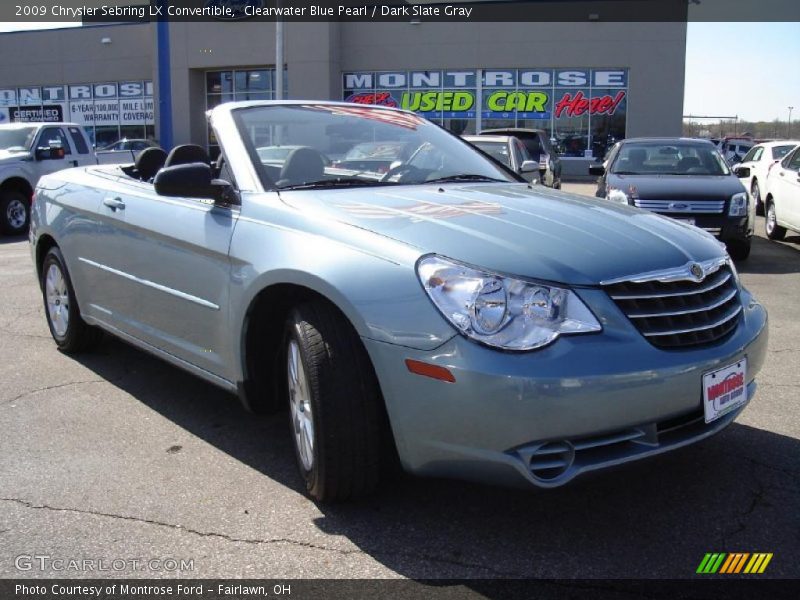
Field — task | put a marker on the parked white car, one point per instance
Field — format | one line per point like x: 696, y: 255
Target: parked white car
x: 759, y: 160
x: 782, y: 200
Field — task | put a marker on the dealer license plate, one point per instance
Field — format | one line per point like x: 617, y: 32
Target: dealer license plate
x: 724, y: 390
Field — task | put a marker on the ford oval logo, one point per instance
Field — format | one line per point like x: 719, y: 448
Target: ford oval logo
x: 678, y: 206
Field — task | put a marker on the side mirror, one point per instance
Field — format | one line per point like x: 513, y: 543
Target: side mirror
x: 50, y: 153
x: 597, y: 170
x: 192, y: 180
x: 741, y: 172
x: 528, y: 166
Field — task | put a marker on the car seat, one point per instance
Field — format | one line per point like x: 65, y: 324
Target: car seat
x: 186, y: 154
x: 303, y: 165
x: 148, y: 163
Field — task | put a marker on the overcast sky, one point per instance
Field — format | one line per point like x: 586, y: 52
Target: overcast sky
x: 745, y: 69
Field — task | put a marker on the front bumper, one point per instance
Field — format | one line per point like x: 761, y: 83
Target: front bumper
x: 723, y: 227
x: 590, y: 401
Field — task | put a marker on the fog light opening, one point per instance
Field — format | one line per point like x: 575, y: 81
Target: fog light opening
x: 551, y: 460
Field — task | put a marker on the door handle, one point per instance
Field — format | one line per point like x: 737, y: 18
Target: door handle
x: 114, y: 203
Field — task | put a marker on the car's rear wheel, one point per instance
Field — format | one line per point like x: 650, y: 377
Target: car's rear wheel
x: 70, y: 332
x: 755, y: 194
x: 14, y: 213
x: 335, y: 406
x: 773, y: 230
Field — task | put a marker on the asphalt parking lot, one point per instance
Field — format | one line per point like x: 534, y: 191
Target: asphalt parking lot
x: 116, y: 455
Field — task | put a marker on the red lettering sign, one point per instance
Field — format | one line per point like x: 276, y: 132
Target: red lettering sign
x: 577, y: 105
x: 380, y: 98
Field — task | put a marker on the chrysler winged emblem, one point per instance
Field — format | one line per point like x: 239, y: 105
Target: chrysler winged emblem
x: 697, y: 271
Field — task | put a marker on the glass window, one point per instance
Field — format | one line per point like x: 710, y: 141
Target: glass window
x: 669, y: 158
x: 794, y: 161
x: 608, y: 112
x: 751, y: 156
x: 77, y: 139
x: 16, y: 139
x: 374, y: 138
x: 237, y: 85
x: 778, y: 152
x: 105, y: 136
x: 54, y: 136
x: 132, y: 132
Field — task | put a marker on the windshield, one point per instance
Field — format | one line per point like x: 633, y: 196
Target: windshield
x: 669, y: 158
x: 16, y: 139
x: 333, y: 145
x: 497, y: 150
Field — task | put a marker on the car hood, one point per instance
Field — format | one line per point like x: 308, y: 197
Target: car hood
x: 7, y: 157
x: 513, y: 229
x: 678, y: 187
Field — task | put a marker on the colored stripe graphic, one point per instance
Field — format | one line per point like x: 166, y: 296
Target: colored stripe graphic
x: 734, y: 562
x: 711, y: 562
x: 758, y: 563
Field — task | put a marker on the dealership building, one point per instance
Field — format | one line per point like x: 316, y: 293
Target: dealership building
x: 586, y: 83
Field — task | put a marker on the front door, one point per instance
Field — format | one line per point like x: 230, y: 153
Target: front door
x: 163, y: 272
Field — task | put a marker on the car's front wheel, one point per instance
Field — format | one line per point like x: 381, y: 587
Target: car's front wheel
x: 335, y: 406
x: 773, y: 230
x: 14, y: 213
x: 739, y: 249
x: 70, y: 332
x: 755, y: 194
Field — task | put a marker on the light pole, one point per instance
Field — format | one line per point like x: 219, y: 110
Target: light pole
x: 789, y: 134
x: 279, y: 57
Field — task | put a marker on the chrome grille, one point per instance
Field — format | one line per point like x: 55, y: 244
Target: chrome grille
x: 681, y: 206
x: 681, y: 313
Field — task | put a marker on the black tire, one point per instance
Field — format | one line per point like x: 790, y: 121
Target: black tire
x: 73, y: 334
x: 348, y: 418
x: 739, y: 249
x: 15, y: 212
x: 772, y: 229
x: 755, y: 194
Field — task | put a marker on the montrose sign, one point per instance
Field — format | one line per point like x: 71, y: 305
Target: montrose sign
x: 494, y: 93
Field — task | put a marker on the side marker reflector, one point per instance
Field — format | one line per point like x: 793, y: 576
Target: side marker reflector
x: 420, y: 368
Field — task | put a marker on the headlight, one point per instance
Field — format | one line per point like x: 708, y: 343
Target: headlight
x: 738, y: 207
x: 616, y: 195
x: 500, y: 311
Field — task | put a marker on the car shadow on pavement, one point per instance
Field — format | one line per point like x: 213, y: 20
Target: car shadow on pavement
x: 12, y: 239
x: 768, y: 257
x: 737, y: 492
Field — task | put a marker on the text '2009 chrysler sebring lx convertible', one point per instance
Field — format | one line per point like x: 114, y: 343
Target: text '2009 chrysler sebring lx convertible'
x: 440, y: 312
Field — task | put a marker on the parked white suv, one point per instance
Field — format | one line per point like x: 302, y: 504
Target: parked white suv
x: 782, y: 200
x: 28, y: 151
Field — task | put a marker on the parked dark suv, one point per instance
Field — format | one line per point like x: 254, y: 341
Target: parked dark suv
x: 683, y: 178
x: 538, y: 145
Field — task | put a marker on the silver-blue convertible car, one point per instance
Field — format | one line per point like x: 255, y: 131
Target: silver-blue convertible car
x: 435, y: 310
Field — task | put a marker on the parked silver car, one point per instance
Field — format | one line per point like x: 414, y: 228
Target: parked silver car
x: 443, y: 313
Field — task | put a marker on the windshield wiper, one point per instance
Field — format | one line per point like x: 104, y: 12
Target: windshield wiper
x: 338, y: 182
x: 464, y: 177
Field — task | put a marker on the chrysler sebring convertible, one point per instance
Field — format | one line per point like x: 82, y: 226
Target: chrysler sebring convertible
x: 441, y: 314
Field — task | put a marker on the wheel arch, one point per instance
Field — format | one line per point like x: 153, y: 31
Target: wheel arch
x: 43, y: 245
x: 261, y: 334
x: 17, y: 183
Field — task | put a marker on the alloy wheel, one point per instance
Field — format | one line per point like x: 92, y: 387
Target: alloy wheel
x: 57, y: 300
x: 300, y: 406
